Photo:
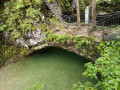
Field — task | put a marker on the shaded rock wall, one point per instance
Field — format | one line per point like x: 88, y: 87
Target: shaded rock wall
x: 27, y: 40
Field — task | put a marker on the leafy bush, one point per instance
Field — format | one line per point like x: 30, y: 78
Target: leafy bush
x: 7, y: 51
x: 20, y: 15
x: 106, y: 68
x: 108, y: 6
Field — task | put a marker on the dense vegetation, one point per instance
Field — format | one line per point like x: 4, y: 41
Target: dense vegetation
x: 106, y: 69
x: 20, y: 15
x: 108, y: 6
x: 7, y: 49
x: 17, y: 12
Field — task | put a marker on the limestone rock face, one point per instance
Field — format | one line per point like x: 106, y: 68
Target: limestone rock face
x: 34, y: 37
x: 30, y: 39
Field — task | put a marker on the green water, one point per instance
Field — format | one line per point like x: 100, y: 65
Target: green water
x: 54, y: 68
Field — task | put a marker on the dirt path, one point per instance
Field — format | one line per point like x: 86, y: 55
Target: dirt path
x: 83, y: 30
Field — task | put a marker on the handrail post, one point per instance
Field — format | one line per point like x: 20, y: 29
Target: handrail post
x: 78, y: 12
x: 93, y: 13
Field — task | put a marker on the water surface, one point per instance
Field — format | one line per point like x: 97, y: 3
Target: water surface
x: 54, y: 68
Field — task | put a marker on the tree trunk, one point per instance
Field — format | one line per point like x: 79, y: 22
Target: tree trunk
x: 94, y: 13
x: 78, y: 12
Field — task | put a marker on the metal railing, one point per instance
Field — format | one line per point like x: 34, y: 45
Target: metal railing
x: 104, y: 22
x: 110, y: 22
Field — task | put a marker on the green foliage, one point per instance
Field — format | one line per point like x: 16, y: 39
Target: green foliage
x: 20, y: 15
x: 61, y: 38
x: 66, y: 5
x: 85, y: 3
x: 7, y: 51
x: 76, y: 39
x: 50, y: 1
x: 15, y: 35
x: 86, y: 45
x: 24, y: 52
x: 108, y: 6
x: 106, y: 68
x: 36, y: 86
x: 85, y: 86
x: 52, y: 37
x: 118, y: 37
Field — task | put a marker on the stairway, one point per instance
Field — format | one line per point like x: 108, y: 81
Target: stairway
x: 55, y: 9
